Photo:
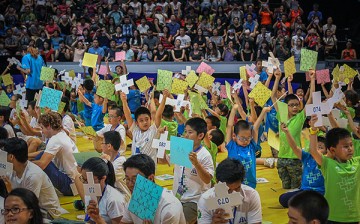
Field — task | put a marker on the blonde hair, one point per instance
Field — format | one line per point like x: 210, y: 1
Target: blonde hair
x: 51, y: 119
x: 33, y: 52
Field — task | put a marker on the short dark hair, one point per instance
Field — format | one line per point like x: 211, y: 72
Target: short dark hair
x: 230, y: 171
x: 321, y: 139
x: 5, y: 111
x: 217, y: 137
x: 198, y: 124
x: 312, y: 205
x: 157, y: 94
x: 16, y: 147
x: 66, y: 100
x: 142, y: 110
x: 223, y: 108
x: 214, y: 121
x: 113, y: 138
x: 88, y: 84
x: 168, y: 111
x: 3, y: 133
x: 119, y: 112
x: 240, y: 126
x: 142, y: 162
x: 352, y: 96
x: 335, y: 135
x: 290, y: 97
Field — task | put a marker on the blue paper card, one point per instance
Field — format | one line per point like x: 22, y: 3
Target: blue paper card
x: 180, y: 149
x: 145, y: 198
x: 50, y: 98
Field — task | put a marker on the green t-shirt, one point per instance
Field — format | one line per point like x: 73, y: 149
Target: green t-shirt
x: 213, y: 152
x: 342, y: 189
x: 356, y: 143
x: 223, y: 123
x: 172, y: 127
x: 294, y: 125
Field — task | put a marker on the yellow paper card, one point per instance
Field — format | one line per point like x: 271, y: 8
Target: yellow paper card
x: 205, y: 80
x: 228, y: 90
x: 72, y: 73
x: 242, y: 70
x: 7, y: 79
x: 273, y: 140
x: 191, y: 78
x: 336, y: 73
x: 178, y: 86
x: 90, y: 60
x: 349, y: 72
x: 143, y: 84
x: 289, y: 66
x: 260, y: 94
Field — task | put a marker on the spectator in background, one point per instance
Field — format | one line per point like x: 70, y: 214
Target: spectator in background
x: 284, y: 25
x: 231, y: 36
x: 315, y: 13
x: 184, y: 39
x: 174, y: 27
x: 110, y: 52
x: 51, y: 27
x: 118, y: 37
x: 298, y: 24
x: 218, y: 40
x: 55, y: 39
x: 116, y: 14
x: 263, y: 36
x: 349, y: 52
x: 312, y: 39
x: 247, y: 53
x: 70, y: 39
x: 11, y: 41
x: 230, y: 53
x: 329, y: 25
x: 161, y: 55
x: 129, y: 54
x: 330, y: 42
x: 148, y: 9
x: 178, y: 53
x: 65, y: 25
x: 127, y: 28
x: 281, y: 51
x: 143, y: 27
x: 263, y: 51
x: 136, y: 42
x: 79, y: 49
x: 236, y: 12
x: 11, y: 17
x: 220, y: 12
x: 48, y: 52
x: 315, y: 24
x: 296, y: 37
x: 266, y: 17
x: 145, y: 54
x: 175, y: 8
x: 95, y: 49
x: 200, y: 40
x: 136, y: 5
x: 151, y: 40
x: 196, y: 55
x: 82, y: 25
x: 236, y: 26
x: 63, y: 53
x: 251, y: 24
x: 205, y: 27
x: 296, y: 50
x: 295, y: 12
x: 212, y: 53
x: 28, y: 16
x: 245, y: 37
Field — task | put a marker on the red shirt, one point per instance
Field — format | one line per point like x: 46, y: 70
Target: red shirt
x: 265, y: 18
x: 50, y: 29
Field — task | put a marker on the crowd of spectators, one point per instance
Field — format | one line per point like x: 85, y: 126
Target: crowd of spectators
x: 166, y: 30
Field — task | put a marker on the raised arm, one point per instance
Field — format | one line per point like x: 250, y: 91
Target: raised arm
x: 83, y: 99
x: 326, y: 93
x: 297, y: 151
x: 126, y: 109
x: 289, y: 80
x: 312, y: 85
x: 105, y: 103
x: 268, y: 80
x: 351, y: 122
x: 212, y: 112
x: 258, y: 122
x: 313, y: 141
x: 277, y: 74
x: 230, y: 124
x: 161, y: 108
x: 240, y: 108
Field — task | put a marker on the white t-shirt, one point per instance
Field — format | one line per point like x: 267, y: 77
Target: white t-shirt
x: 36, y: 180
x: 136, y: 7
x: 119, y: 128
x: 192, y: 186
x: 148, y: 9
x: 68, y: 125
x: 248, y: 212
x: 120, y: 175
x: 2, y: 220
x: 184, y: 40
x: 62, y: 148
x: 112, y: 204
x: 169, y: 211
x: 142, y: 141
x: 9, y: 130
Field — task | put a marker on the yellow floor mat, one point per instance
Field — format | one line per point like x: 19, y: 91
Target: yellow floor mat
x: 269, y: 192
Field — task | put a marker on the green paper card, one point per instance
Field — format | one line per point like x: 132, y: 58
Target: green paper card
x: 61, y: 85
x: 105, y: 89
x: 47, y: 74
x: 164, y: 80
x: 197, y: 103
x: 4, y: 99
x: 80, y: 106
x: 283, y: 111
x: 88, y: 130
x: 61, y: 107
x: 308, y: 60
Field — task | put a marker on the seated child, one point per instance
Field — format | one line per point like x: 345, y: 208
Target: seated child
x: 67, y: 122
x: 4, y: 121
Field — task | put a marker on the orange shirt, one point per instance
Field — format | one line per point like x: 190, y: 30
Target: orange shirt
x: 265, y: 18
x: 348, y: 54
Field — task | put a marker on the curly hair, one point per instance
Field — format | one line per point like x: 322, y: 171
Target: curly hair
x: 51, y: 119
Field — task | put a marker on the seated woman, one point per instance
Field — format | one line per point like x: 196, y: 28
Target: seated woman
x: 178, y: 54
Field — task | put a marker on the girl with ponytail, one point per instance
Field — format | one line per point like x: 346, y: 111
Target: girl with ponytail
x: 112, y: 202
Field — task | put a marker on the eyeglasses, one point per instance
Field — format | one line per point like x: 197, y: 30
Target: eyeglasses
x: 243, y: 139
x: 128, y: 181
x: 294, y: 105
x: 12, y: 210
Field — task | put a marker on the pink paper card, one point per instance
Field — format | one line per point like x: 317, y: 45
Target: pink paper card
x: 120, y: 56
x: 223, y: 91
x: 323, y: 76
x: 102, y: 70
x: 251, y: 70
x: 307, y: 74
x: 203, y: 67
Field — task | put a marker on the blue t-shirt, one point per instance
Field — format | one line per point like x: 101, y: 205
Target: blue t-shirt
x: 87, y: 109
x: 246, y: 155
x: 98, y: 51
x: 271, y: 121
x: 312, y: 178
x: 97, y: 117
x: 34, y: 64
x: 74, y: 107
x: 55, y: 41
x: 9, y: 94
x: 263, y: 76
x: 134, y: 99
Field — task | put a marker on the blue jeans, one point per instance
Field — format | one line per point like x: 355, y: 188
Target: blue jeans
x: 60, y: 180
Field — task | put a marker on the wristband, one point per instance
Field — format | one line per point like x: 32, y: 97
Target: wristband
x: 313, y: 132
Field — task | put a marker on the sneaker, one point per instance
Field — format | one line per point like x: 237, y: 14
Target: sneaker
x: 79, y: 205
x: 269, y: 162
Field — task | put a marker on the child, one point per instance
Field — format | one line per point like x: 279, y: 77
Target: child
x: 115, y: 115
x: 308, y: 207
x: 341, y: 174
x: 231, y: 172
x: 312, y: 179
x: 189, y: 184
x: 289, y: 166
x: 4, y: 121
x: 57, y: 160
x: 241, y: 143
x: 89, y: 95
x: 213, y: 140
x: 221, y: 111
x: 259, y: 68
x: 142, y: 129
x: 212, y: 122
x: 67, y: 122
x: 27, y: 175
x: 168, y: 115
x: 98, y: 110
